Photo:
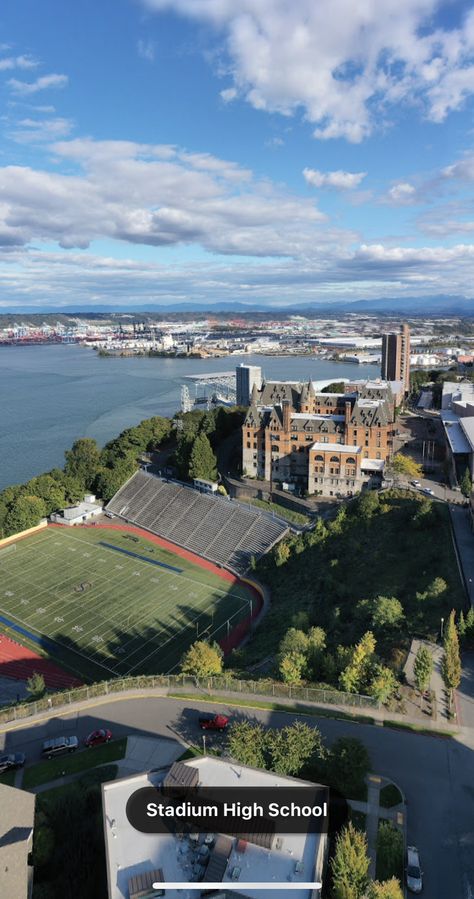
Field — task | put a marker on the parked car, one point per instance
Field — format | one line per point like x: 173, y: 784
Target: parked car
x: 97, y: 737
x: 213, y: 722
x: 428, y: 491
x: 416, y: 484
x: 11, y: 762
x: 414, y: 874
x: 58, y: 746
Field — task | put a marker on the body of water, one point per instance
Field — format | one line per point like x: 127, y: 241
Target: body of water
x: 51, y: 395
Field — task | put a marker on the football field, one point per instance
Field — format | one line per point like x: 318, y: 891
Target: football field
x: 113, y: 603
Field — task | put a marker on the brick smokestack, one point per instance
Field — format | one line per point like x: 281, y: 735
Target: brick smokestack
x: 348, y: 413
x: 286, y: 416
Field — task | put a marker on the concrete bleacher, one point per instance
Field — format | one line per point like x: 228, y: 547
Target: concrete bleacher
x: 211, y: 526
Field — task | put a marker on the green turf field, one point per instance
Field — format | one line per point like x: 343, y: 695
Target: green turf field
x: 111, y: 613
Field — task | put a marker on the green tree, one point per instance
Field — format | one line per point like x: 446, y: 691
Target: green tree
x: 423, y: 668
x: 36, y: 685
x: 350, y: 864
x: 202, y: 461
x: 461, y: 626
x: 281, y: 553
x: 294, y: 640
x: 387, y: 613
x: 405, y: 465
x: 466, y: 484
x: 469, y: 636
x: 451, y: 664
x: 292, y: 747
x: 383, y: 683
x: 109, y: 480
x: 246, y: 743
x: 389, y: 850
x: 83, y: 461
x: 292, y: 667
x: 389, y: 889
x: 366, y: 504
x: 353, y: 677
x: 316, y: 651
x: 202, y: 659
x: 348, y: 766
x: 25, y: 512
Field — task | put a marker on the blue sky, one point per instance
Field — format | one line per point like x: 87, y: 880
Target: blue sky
x: 260, y: 151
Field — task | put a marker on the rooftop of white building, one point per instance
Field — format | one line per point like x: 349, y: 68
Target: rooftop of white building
x: 337, y: 447
x: 293, y: 857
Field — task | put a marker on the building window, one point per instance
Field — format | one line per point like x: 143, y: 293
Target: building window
x: 366, y: 455
x: 248, y: 445
x: 377, y: 455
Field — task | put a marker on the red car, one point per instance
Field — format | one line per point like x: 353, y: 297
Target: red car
x: 97, y: 737
x: 214, y: 722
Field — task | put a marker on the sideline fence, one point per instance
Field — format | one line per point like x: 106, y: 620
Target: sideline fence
x: 266, y: 689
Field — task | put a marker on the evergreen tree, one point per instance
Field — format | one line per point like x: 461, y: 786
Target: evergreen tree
x: 451, y: 665
x: 470, y: 626
x: 202, y: 461
x: 350, y: 864
x: 466, y: 483
x: 461, y: 626
x: 422, y: 668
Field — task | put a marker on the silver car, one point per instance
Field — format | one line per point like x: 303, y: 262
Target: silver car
x: 414, y: 874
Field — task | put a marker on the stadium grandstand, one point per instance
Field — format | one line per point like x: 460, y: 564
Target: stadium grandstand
x: 210, y: 526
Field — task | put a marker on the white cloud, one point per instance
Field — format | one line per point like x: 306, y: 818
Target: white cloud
x: 228, y: 94
x: 146, y: 50
x: 44, y: 82
x: 17, y: 62
x: 342, y: 63
x: 155, y: 195
x: 338, y: 179
x: 34, y: 130
x: 402, y: 194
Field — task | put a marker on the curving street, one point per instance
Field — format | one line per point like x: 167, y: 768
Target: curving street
x: 436, y: 774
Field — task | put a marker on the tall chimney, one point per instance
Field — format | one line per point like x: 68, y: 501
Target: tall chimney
x: 348, y: 413
x: 286, y: 406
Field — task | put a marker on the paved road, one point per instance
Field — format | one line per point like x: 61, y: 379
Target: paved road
x: 436, y: 775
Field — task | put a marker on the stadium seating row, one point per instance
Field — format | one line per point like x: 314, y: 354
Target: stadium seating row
x: 213, y: 527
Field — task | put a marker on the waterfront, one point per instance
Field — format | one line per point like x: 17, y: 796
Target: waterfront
x: 51, y: 395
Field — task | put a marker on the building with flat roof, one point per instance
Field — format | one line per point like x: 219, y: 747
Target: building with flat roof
x: 80, y: 513
x: 17, y: 818
x: 246, y: 376
x: 135, y: 858
x: 396, y: 357
x: 457, y: 418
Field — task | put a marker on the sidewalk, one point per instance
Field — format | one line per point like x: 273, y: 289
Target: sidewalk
x: 374, y: 812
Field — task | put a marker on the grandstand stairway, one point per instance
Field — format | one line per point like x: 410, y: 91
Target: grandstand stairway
x: 214, y: 527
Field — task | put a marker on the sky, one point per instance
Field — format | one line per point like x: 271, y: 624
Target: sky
x: 277, y: 152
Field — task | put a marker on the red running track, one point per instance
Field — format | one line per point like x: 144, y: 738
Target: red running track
x: 19, y: 663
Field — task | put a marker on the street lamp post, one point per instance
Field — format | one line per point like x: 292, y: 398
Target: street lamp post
x: 442, y: 627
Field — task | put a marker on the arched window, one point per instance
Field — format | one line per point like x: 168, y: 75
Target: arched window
x: 319, y: 458
x: 350, y: 461
x: 334, y: 459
